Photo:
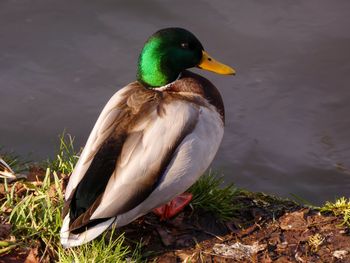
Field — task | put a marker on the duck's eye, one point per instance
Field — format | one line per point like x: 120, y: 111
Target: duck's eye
x: 184, y: 45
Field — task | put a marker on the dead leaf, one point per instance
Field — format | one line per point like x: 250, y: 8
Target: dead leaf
x: 5, y: 230
x: 293, y: 221
x: 166, y: 237
x: 32, y: 256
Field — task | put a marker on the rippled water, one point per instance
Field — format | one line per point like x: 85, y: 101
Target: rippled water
x: 288, y: 125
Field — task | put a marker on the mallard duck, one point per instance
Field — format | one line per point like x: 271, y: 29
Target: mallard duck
x: 152, y: 141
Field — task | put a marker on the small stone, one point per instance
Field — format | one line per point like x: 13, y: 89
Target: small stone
x: 340, y: 254
x: 238, y: 251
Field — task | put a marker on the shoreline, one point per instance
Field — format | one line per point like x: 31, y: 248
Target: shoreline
x: 262, y: 228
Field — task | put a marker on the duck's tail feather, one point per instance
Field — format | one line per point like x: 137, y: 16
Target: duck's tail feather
x: 72, y: 240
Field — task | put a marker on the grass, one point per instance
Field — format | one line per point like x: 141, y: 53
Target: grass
x: 66, y: 157
x: 315, y: 241
x: 34, y: 210
x: 106, y: 249
x: 341, y: 207
x: 209, y: 195
x: 36, y: 219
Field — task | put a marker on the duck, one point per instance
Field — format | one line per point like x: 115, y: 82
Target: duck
x: 153, y: 139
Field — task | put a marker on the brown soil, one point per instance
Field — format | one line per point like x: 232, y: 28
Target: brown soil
x: 266, y: 229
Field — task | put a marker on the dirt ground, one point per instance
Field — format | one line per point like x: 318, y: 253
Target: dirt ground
x: 265, y: 229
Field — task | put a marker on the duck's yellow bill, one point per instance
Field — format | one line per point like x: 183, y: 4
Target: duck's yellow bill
x: 208, y: 63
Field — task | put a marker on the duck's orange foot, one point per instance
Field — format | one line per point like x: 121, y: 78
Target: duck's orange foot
x: 174, y: 207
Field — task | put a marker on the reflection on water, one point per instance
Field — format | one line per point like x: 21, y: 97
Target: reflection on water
x: 288, y: 129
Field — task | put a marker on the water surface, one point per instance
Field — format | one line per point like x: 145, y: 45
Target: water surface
x: 288, y: 125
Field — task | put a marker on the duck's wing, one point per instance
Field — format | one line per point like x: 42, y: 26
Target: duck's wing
x: 103, y: 128
x: 97, y: 161
x: 141, y: 150
x: 138, y: 172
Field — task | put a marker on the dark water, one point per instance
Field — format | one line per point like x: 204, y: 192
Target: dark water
x: 288, y: 125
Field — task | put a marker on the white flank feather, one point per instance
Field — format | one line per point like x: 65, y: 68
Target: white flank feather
x: 191, y: 160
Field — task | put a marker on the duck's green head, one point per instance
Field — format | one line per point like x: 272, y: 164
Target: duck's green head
x: 170, y: 51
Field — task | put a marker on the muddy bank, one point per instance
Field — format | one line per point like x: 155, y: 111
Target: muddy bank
x: 263, y: 229
x: 266, y: 229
